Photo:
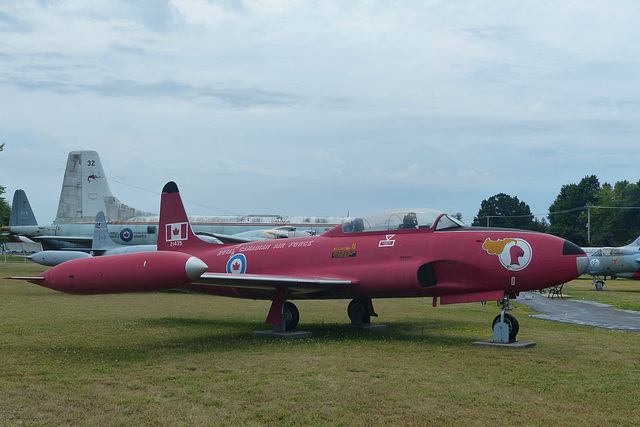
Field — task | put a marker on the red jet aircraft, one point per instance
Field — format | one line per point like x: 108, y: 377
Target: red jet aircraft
x: 393, y: 254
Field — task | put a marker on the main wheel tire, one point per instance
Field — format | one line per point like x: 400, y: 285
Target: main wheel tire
x: 512, y: 323
x: 358, y: 312
x: 291, y: 315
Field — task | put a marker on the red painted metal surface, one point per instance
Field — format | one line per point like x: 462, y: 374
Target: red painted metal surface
x: 141, y: 272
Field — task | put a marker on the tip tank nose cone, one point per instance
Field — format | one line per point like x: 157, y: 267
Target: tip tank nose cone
x: 583, y: 264
x: 194, y: 268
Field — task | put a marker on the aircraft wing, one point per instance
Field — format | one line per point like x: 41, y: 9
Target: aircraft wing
x: 244, y: 237
x: 80, y: 240
x: 270, y: 281
x: 228, y: 238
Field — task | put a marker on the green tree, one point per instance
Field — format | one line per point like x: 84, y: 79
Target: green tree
x: 567, y: 214
x: 629, y: 222
x: 5, y: 211
x: 506, y: 211
x: 5, y: 208
x: 616, y: 221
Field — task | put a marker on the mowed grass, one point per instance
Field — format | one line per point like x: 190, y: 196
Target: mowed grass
x: 622, y: 293
x: 182, y: 359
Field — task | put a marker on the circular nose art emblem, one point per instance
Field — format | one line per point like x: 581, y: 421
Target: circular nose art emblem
x: 516, y: 255
x: 595, y: 263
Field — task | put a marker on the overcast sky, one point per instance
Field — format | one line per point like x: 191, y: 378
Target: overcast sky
x: 320, y: 107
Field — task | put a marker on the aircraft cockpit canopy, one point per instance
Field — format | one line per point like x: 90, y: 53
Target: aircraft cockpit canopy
x: 401, y: 219
x: 608, y: 252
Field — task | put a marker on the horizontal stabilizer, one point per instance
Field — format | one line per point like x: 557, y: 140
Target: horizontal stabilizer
x: 229, y: 238
x: 79, y: 240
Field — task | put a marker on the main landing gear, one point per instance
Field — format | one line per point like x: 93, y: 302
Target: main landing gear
x: 290, y: 316
x: 284, y: 317
x: 505, y: 326
x: 359, y: 311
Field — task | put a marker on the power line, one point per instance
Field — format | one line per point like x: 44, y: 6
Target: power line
x: 578, y: 209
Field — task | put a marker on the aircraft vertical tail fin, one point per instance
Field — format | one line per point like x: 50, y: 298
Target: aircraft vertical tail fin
x: 635, y: 244
x: 101, y: 239
x: 85, y: 192
x: 21, y: 212
x: 174, y: 228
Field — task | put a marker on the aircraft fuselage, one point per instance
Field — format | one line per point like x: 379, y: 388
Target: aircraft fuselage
x: 458, y: 265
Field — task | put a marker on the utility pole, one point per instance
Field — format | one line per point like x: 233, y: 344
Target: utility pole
x: 588, y: 224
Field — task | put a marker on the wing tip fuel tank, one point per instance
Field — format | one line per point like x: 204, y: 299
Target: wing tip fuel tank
x: 195, y: 267
x: 139, y: 272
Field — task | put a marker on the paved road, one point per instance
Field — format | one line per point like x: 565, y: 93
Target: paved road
x: 581, y: 312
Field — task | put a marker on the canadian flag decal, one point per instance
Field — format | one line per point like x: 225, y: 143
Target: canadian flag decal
x: 177, y: 231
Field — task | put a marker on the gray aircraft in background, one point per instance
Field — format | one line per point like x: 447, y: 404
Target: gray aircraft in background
x: 85, y: 192
x: 614, y: 262
x: 101, y: 245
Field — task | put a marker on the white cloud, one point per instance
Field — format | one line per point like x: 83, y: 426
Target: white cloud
x: 416, y: 103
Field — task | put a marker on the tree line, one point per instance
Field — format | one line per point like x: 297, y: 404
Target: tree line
x: 5, y: 208
x: 587, y: 213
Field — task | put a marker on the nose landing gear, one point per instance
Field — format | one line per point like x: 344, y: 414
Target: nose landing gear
x: 505, y: 326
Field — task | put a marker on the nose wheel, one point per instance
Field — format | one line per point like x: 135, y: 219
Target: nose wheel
x: 505, y: 326
x: 598, y: 283
x: 512, y: 326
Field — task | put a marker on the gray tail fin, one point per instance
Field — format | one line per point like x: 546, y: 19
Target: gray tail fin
x: 21, y: 212
x: 101, y: 239
x: 85, y: 192
x: 635, y: 244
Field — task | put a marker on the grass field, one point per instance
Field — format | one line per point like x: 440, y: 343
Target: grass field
x: 182, y: 359
x: 622, y: 293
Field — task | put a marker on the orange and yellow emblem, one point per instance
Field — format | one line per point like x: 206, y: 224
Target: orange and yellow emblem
x: 514, y: 254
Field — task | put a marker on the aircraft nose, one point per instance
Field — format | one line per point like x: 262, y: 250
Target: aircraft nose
x: 194, y: 267
x: 582, y: 261
x: 583, y: 264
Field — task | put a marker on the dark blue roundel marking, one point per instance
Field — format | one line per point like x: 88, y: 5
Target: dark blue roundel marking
x: 126, y: 234
x: 237, y: 264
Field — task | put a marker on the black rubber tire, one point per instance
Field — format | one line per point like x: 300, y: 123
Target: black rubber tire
x: 358, y: 312
x: 291, y: 315
x: 512, y: 322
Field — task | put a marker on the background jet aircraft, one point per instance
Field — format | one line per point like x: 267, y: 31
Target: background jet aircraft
x: 622, y: 261
x: 101, y: 245
x: 417, y: 253
x: 284, y: 232
x: 23, y: 223
x: 85, y: 192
